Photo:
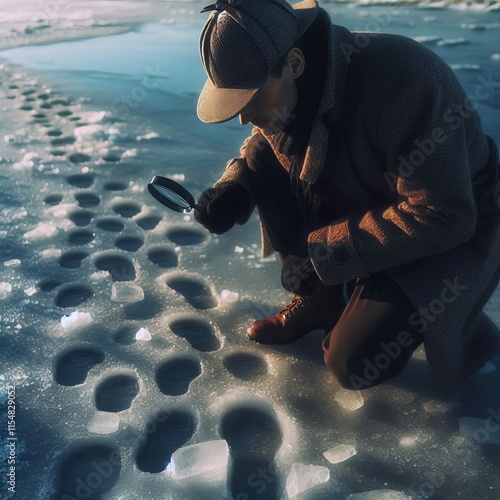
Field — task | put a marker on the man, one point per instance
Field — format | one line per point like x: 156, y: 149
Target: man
x: 374, y: 182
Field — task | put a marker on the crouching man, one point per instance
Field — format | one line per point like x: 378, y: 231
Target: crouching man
x: 373, y: 180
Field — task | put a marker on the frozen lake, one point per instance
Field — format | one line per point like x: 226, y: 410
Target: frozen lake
x: 157, y: 360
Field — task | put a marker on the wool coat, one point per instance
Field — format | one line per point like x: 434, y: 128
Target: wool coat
x: 398, y: 152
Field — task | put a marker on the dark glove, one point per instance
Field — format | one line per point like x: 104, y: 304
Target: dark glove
x: 297, y: 273
x: 224, y: 206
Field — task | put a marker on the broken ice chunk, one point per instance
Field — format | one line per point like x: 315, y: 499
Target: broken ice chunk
x: 435, y: 407
x: 75, y: 319
x: 228, y: 297
x: 407, y: 442
x: 349, y: 400
x: 104, y: 422
x: 239, y: 249
x: 304, y: 477
x: 143, y: 334
x: 126, y: 292
x: 177, y: 177
x: 30, y: 291
x: 5, y: 289
x: 479, y: 430
x: 340, y: 453
x: 209, y: 458
x: 12, y: 262
x: 43, y: 230
x: 379, y: 495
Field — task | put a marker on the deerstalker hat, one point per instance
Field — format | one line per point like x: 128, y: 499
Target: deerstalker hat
x: 240, y: 43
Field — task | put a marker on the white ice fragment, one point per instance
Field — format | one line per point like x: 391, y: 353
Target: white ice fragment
x: 452, y: 41
x: 407, y: 442
x: 146, y: 137
x: 228, y: 297
x: 203, y: 459
x: 434, y: 407
x: 340, y: 453
x: 12, y: 263
x: 495, y: 57
x: 43, y: 230
x: 126, y: 292
x: 479, y: 430
x: 5, y: 289
x: 96, y: 117
x: 104, y: 422
x: 349, y: 400
x: 379, y: 495
x: 30, y: 291
x: 178, y: 177
x: 87, y: 132
x: 304, y: 477
x: 76, y: 319
x: 26, y: 163
x: 51, y: 252
x: 238, y: 249
x: 129, y: 153
x: 143, y: 334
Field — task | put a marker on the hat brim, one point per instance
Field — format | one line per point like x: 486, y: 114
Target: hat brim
x: 218, y: 105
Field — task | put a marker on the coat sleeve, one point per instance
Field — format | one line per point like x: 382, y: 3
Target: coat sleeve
x: 423, y: 141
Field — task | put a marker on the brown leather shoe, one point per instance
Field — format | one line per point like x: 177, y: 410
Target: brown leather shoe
x: 321, y: 310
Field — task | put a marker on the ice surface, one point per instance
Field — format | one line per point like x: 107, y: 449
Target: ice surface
x: 349, y: 400
x: 202, y: 459
x: 487, y: 368
x: 5, y: 289
x: 126, y: 292
x: 304, y: 477
x: 143, y: 334
x: 76, y: 319
x: 104, y: 422
x: 481, y: 431
x: 379, y: 495
x: 340, y: 453
x: 41, y: 231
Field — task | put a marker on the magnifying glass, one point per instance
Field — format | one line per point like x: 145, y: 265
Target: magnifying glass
x: 171, y: 194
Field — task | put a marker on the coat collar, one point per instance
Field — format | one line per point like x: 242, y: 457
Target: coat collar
x: 340, y: 45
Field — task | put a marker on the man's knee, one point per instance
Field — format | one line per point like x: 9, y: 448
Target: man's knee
x: 350, y: 371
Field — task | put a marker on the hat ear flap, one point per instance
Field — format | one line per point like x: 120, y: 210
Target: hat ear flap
x: 205, y: 45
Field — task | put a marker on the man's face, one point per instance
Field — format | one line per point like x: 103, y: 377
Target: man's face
x: 273, y: 104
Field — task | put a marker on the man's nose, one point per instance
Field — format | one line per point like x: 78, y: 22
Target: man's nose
x: 245, y: 117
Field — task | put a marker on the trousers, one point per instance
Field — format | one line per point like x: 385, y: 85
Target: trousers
x: 372, y: 340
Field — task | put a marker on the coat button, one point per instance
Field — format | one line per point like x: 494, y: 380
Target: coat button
x: 340, y: 255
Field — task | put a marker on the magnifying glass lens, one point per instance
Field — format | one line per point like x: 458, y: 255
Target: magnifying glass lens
x: 171, y: 194
x: 173, y: 197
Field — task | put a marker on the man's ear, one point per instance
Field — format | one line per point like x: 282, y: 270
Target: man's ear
x: 296, y: 62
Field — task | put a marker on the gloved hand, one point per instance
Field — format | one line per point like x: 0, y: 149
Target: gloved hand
x: 223, y: 206
x: 298, y: 272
